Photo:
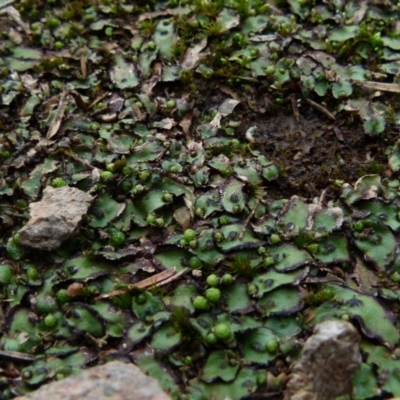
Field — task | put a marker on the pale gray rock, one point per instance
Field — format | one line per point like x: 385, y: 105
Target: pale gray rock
x: 55, y: 218
x: 327, y: 364
x: 112, y: 381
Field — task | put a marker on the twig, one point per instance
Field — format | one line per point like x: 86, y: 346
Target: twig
x: 295, y: 108
x: 157, y: 280
x: 17, y: 355
x: 241, y: 233
x: 76, y: 158
x: 6, y: 3
x: 320, y: 108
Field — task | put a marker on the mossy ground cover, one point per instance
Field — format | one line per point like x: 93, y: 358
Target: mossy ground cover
x: 244, y: 161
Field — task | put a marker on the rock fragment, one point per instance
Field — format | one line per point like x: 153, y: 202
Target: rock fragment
x: 112, y: 381
x: 55, y: 218
x: 327, y: 364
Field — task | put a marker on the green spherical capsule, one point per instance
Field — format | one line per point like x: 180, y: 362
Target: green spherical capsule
x: 126, y: 186
x: 213, y: 295
x: 199, y: 212
x: 182, y: 242
x: 160, y: 222
x: 151, y: 45
x: 200, y: 303
x: 105, y: 175
x: 395, y: 277
x: 58, y: 45
x: 188, y: 360
x: 167, y: 197
x: 223, y: 332
x: 358, y: 226
x: 272, y: 345
x: 251, y: 289
x: 126, y: 171
x: 32, y: 274
x: 58, y: 182
x: 138, y: 189
x: 189, y: 235
x: 193, y: 244
x: 108, y: 31
x: 144, y: 175
x: 211, y: 338
x: 270, y: 70
x: 117, y: 238
x: 173, y: 169
x: 151, y: 219
x: 274, y: 238
x: 212, y: 280
x: 62, y: 296
x: 218, y: 236
x: 52, y: 23
x: 171, y: 103
x: 195, y: 263
x: 50, y: 321
x: 227, y: 279
x: 268, y: 261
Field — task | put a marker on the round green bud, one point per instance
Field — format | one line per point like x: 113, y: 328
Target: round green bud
x: 138, y: 189
x: 160, y: 222
x: 144, y: 175
x: 32, y: 274
x: 211, y: 338
x: 188, y: 360
x: 182, y: 243
x: 270, y: 70
x: 106, y: 175
x: 110, y: 167
x: 395, y: 277
x: 62, y: 296
x: 212, y: 280
x: 189, y: 235
x: 126, y: 186
x: 268, y: 261
x: 272, y: 345
x: 199, y: 212
x: 52, y: 23
x: 218, y: 236
x: 200, y: 303
x: 251, y: 289
x: 274, y: 238
x: 345, y: 317
x: 167, y: 197
x: 227, y: 279
x: 173, y: 169
x: 223, y: 332
x: 358, y: 226
x: 58, y: 45
x: 213, y: 295
x: 193, y: 244
x: 109, y: 31
x: 58, y: 182
x: 195, y: 263
x: 170, y: 103
x: 151, y: 45
x: 126, y: 170
x: 151, y: 219
x: 117, y: 238
x: 50, y: 321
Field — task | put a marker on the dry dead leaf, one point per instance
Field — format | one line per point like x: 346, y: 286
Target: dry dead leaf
x: 55, y: 124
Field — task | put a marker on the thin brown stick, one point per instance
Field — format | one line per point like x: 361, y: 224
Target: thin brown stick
x: 241, y: 233
x: 321, y: 109
x: 76, y: 158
